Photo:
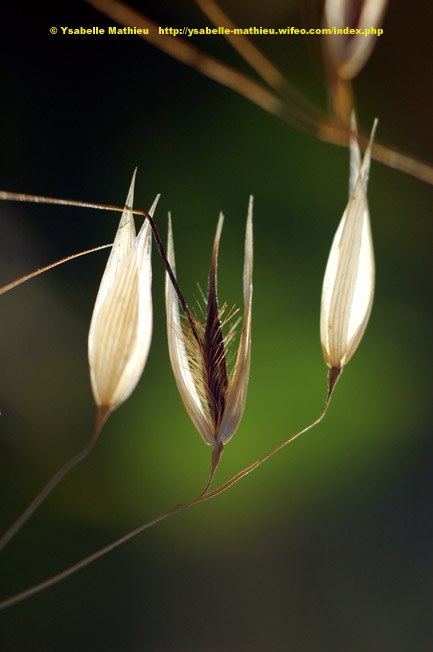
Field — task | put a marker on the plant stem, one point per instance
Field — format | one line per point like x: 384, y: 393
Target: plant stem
x: 216, y: 457
x: 8, y: 602
x: 15, y: 196
x: 27, y: 277
x: 102, y: 416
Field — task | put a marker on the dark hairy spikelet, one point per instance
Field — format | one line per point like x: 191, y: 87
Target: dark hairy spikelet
x: 215, y: 377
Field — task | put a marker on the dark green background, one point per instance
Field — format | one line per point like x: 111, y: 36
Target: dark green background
x: 328, y: 546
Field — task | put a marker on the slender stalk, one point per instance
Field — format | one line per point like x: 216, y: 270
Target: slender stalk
x: 102, y: 415
x: 15, y: 196
x: 8, y: 602
x: 167, y: 265
x: 216, y: 457
x: 27, y: 277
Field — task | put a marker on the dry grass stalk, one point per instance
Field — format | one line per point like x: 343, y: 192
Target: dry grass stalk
x: 214, y: 400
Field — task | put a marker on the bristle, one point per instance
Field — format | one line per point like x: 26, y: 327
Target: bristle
x: 214, y: 366
x: 215, y: 376
x: 229, y: 337
x: 195, y: 357
x: 198, y: 359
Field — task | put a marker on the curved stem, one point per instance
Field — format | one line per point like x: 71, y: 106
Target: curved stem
x: 167, y: 265
x: 332, y: 381
x: 216, y: 456
x: 27, y: 277
x: 8, y: 602
x: 37, y: 199
x: 102, y: 416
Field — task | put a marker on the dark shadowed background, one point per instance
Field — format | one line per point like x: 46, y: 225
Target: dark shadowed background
x: 328, y: 546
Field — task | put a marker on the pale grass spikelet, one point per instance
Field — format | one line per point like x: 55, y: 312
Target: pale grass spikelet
x: 121, y: 327
x: 214, y: 400
x: 348, y: 285
x: 348, y: 53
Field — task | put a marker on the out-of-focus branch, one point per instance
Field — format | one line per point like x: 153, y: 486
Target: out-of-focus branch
x: 258, y: 62
x: 203, y: 63
x: 254, y: 91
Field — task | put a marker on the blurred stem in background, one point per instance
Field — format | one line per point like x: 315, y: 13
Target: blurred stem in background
x: 286, y: 102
